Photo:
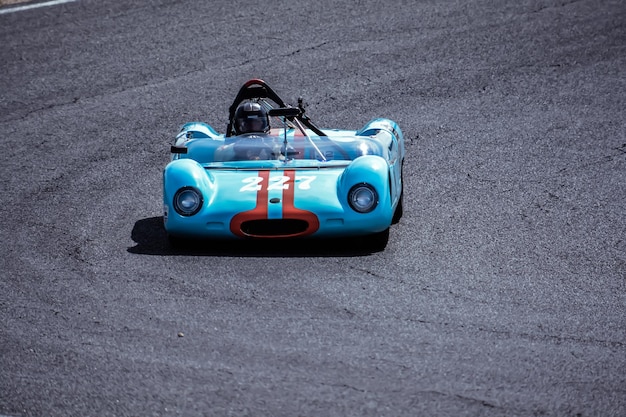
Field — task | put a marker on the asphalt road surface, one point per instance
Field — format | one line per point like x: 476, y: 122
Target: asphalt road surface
x: 501, y: 292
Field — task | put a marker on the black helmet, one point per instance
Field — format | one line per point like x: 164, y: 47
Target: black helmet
x: 251, y: 117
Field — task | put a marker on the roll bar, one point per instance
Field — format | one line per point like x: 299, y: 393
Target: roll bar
x: 258, y: 89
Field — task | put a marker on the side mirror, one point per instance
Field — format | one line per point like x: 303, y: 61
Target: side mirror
x: 178, y: 149
x: 288, y: 112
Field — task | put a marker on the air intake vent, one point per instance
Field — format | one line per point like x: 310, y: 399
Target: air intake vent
x: 274, y: 227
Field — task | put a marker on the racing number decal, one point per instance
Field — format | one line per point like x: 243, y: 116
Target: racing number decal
x: 305, y: 182
x: 252, y: 184
x: 262, y: 185
x: 276, y: 183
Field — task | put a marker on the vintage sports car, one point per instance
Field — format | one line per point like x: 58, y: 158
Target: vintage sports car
x: 275, y: 175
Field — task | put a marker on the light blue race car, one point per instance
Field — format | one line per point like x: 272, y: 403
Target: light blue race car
x: 275, y: 175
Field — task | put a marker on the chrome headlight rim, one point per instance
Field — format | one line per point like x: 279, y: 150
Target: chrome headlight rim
x: 363, y: 198
x: 188, y: 201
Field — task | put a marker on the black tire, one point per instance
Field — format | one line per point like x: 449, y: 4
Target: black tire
x: 376, y: 242
x: 177, y: 242
x: 397, y: 215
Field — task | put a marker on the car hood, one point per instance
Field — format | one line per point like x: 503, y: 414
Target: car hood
x: 273, y: 184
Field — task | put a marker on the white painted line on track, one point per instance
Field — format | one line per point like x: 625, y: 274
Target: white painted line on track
x: 34, y: 6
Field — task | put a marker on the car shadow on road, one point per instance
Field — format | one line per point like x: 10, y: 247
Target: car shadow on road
x: 151, y: 239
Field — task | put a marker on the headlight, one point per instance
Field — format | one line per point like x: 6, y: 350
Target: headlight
x: 188, y: 201
x: 363, y: 198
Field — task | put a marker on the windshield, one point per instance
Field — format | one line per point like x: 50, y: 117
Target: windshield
x: 256, y: 147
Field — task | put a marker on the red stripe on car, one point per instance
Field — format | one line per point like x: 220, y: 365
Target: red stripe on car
x: 259, y: 212
x: 289, y: 210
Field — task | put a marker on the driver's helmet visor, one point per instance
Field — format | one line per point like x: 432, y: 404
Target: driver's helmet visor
x: 252, y: 123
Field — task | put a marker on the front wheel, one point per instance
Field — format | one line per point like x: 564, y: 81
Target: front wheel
x: 174, y: 241
x: 397, y: 214
x: 178, y: 242
x: 376, y: 242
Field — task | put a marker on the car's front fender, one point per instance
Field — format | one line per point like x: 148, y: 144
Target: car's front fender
x: 187, y: 173
x: 373, y: 170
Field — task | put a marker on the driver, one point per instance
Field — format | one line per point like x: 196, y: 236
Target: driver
x: 251, y: 121
x: 251, y: 117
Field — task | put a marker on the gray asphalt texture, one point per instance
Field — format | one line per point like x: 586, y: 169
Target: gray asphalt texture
x: 501, y: 291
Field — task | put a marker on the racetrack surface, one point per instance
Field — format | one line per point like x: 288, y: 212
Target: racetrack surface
x: 501, y: 291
